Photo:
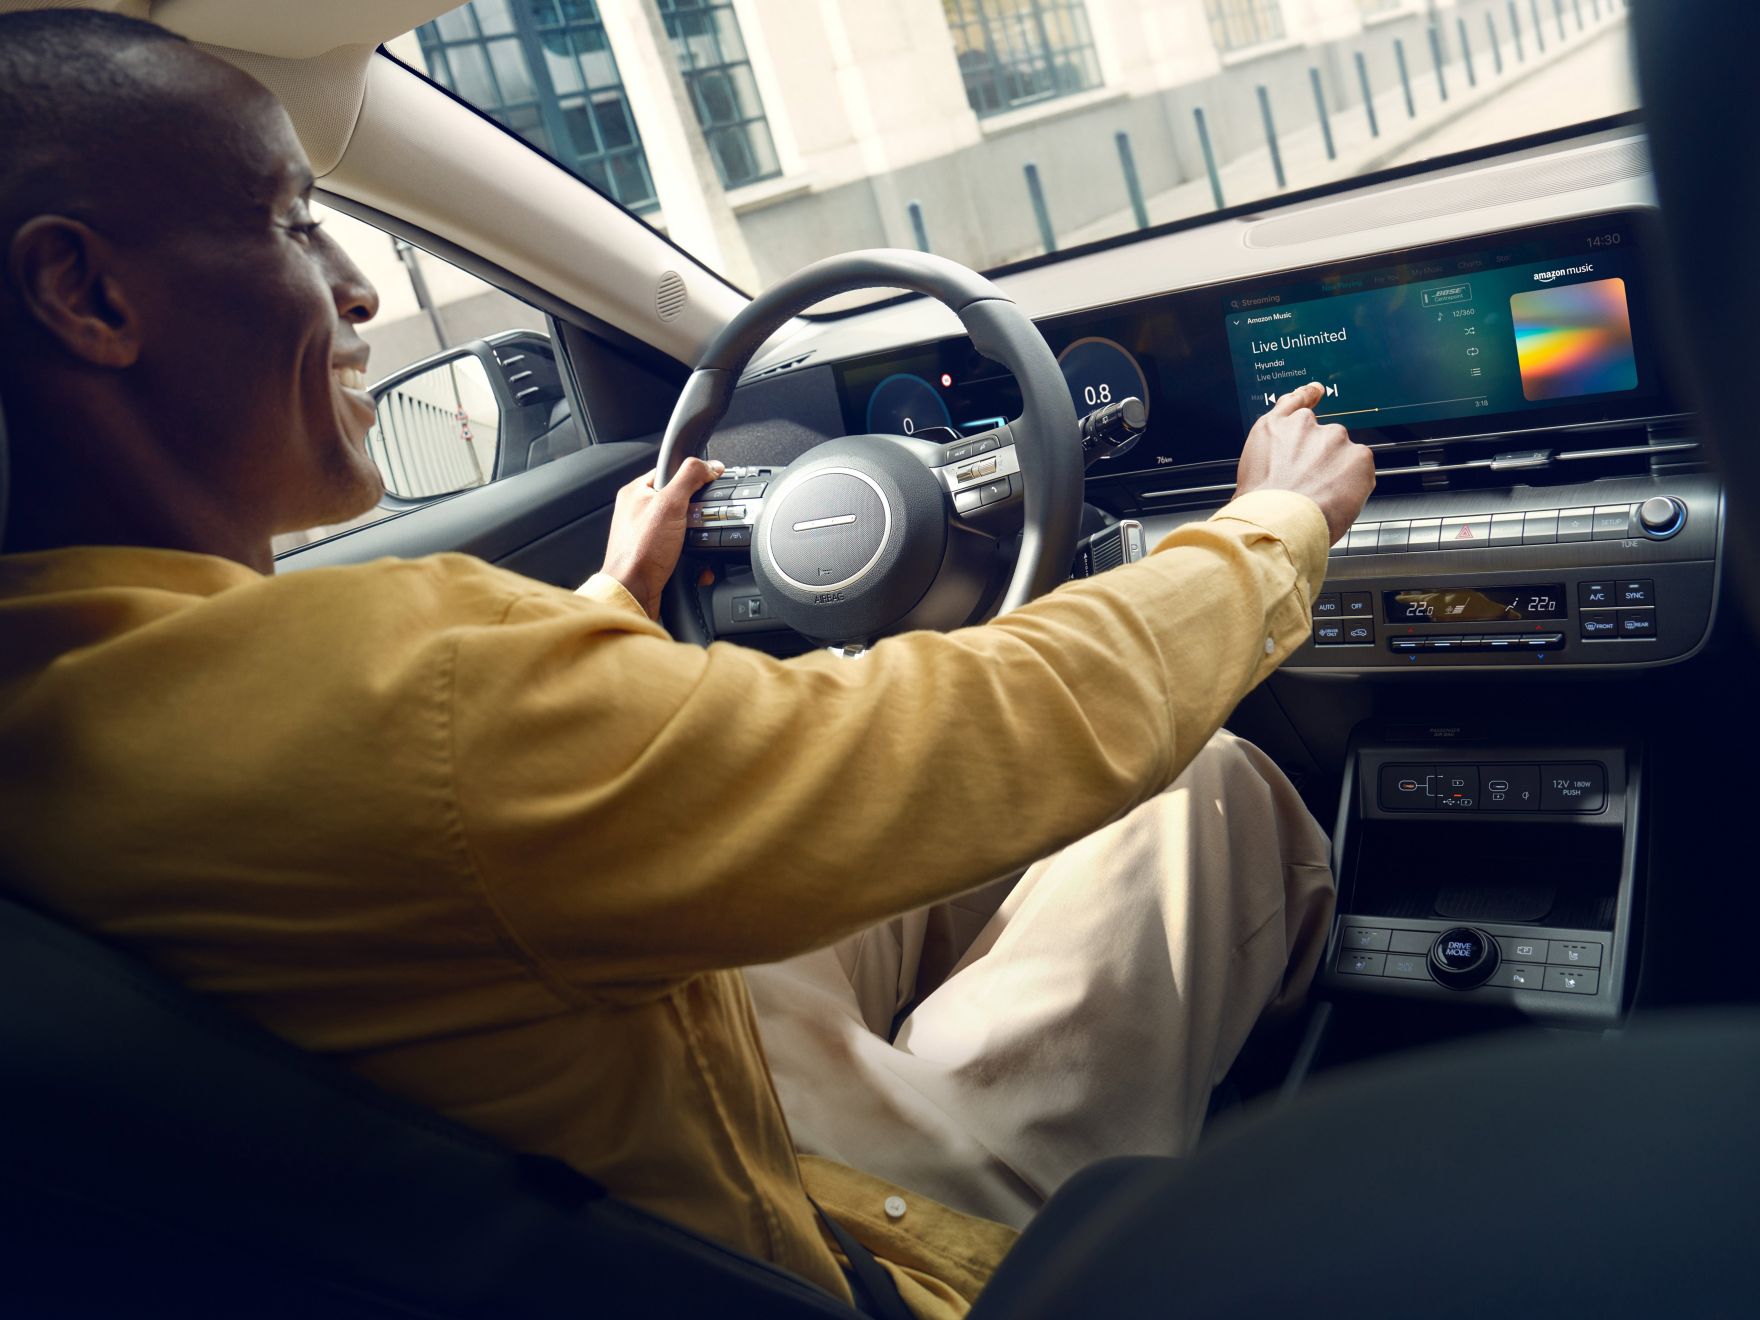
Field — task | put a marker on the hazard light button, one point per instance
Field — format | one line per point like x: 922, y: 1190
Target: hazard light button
x: 1466, y: 531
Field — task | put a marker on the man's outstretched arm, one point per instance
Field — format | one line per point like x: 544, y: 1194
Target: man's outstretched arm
x: 640, y: 811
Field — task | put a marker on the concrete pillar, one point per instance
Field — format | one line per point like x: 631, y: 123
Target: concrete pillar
x: 685, y: 179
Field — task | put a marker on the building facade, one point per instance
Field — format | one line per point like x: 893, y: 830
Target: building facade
x: 762, y: 134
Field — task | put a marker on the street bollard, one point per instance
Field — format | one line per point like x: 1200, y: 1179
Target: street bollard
x: 1325, y: 119
x: 1496, y: 47
x: 1041, y: 213
x: 1132, y: 185
x: 1271, y: 136
x: 1467, y: 53
x: 1405, y: 78
x: 1209, y: 156
x: 1515, y: 24
x: 1368, y: 96
x: 1539, y: 27
x: 1436, y: 55
x: 918, y: 228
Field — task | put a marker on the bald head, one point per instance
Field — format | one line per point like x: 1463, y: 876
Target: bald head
x: 181, y: 350
x: 103, y: 116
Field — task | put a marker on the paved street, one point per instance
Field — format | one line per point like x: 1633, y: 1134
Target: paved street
x: 1584, y: 78
x: 1587, y: 82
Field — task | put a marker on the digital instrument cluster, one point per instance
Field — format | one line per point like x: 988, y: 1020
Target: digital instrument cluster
x: 1539, y: 327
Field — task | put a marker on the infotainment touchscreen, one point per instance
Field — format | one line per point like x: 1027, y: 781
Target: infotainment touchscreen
x: 1498, y: 331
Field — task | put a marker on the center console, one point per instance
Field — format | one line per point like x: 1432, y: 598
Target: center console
x: 1492, y: 874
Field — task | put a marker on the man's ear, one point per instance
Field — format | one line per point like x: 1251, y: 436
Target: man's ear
x: 63, y: 272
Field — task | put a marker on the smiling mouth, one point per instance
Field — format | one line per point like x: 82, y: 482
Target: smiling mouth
x: 352, y: 378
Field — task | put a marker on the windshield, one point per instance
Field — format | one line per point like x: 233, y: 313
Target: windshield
x: 763, y: 134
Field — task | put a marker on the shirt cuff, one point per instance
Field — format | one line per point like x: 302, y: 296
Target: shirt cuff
x: 1296, y: 522
x: 607, y: 590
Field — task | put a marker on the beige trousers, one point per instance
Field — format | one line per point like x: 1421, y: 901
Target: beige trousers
x: 1088, y: 1015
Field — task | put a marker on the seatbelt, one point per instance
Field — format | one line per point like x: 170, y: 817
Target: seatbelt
x: 876, y: 1294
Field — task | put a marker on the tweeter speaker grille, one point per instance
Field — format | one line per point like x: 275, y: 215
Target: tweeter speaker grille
x: 670, y: 296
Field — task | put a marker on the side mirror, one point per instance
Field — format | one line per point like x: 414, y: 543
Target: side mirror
x: 439, y: 424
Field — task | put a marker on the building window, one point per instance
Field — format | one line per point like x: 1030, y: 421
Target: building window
x: 545, y: 69
x: 1370, y: 8
x: 1237, y: 24
x: 718, y: 75
x: 1018, y: 52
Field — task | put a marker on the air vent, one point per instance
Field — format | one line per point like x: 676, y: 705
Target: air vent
x: 1536, y: 458
x: 1546, y: 176
x: 775, y: 368
x: 670, y: 296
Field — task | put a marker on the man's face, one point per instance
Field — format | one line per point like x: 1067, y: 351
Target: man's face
x: 248, y: 333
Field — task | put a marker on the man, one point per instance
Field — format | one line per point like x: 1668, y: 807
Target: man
x: 503, y: 849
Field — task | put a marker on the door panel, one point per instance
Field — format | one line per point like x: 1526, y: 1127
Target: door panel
x: 549, y: 523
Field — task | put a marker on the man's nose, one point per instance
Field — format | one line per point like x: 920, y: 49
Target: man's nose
x: 356, y: 298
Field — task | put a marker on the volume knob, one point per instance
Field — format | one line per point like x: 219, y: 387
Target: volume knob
x: 1661, y: 516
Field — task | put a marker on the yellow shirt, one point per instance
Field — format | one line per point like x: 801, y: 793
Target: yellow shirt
x: 500, y: 848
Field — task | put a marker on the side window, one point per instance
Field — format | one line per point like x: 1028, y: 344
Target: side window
x: 466, y: 377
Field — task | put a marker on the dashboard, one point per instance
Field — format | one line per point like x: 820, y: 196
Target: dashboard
x: 1547, y: 326
x: 1491, y: 331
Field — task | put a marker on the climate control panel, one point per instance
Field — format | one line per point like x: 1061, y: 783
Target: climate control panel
x: 1629, y: 579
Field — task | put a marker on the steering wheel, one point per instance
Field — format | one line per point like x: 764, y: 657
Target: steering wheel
x: 867, y: 535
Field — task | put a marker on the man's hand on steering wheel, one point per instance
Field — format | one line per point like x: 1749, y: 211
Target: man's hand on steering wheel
x: 647, y: 529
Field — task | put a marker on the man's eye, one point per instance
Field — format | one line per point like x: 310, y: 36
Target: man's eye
x: 306, y: 228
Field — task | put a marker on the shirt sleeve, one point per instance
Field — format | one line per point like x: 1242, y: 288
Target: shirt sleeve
x: 607, y: 590
x: 639, y: 810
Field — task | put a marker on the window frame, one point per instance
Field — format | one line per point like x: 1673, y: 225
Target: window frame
x: 1237, y: 25
x: 1001, y: 66
x: 750, y: 128
x: 549, y: 106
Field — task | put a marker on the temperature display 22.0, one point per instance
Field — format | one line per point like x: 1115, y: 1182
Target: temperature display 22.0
x: 1474, y: 604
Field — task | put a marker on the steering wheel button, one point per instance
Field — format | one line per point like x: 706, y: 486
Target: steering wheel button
x: 967, y: 500
x: 704, y: 538
x: 754, y: 492
x: 994, y: 492
x: 984, y: 444
x: 736, y: 538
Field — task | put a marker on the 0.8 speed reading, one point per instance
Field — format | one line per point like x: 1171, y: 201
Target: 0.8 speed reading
x: 1100, y: 371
